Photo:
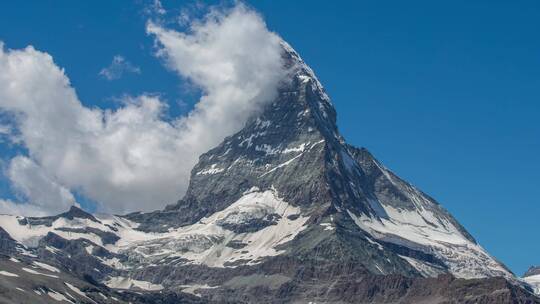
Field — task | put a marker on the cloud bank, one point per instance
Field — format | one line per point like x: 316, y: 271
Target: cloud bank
x: 132, y: 158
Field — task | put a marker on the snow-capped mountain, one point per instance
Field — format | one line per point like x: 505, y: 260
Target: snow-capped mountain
x: 282, y: 211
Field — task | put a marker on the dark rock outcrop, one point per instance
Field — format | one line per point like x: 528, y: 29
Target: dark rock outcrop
x: 7, y: 244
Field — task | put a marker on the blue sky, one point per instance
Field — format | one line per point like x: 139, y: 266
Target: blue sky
x: 445, y: 95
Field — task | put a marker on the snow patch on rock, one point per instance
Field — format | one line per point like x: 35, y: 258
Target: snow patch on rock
x: 38, y: 273
x: 8, y: 274
x: 128, y: 283
x: 212, y: 170
x: 46, y: 266
x: 534, y: 282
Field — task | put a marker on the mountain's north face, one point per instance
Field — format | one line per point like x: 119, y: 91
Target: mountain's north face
x: 282, y: 211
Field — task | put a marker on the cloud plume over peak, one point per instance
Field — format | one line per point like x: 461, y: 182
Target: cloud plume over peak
x: 233, y: 58
x: 131, y: 158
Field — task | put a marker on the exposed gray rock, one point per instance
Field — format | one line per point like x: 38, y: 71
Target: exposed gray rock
x: 7, y: 244
x: 23, y: 282
x: 72, y: 213
x: 72, y: 256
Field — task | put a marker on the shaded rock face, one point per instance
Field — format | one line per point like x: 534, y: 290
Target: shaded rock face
x: 283, y: 211
x: 378, y: 289
x: 74, y: 257
x: 7, y: 244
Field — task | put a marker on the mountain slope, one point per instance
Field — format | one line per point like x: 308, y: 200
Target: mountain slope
x: 282, y: 211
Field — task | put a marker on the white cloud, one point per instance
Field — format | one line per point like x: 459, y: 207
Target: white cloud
x: 118, y: 67
x: 6, y: 133
x: 38, y: 188
x: 236, y: 62
x: 131, y: 158
x: 155, y: 8
x: 26, y: 209
x: 5, y: 129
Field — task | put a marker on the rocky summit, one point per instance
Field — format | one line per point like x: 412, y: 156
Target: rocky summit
x: 283, y: 211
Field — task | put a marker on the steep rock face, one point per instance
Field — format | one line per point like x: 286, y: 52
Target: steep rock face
x: 7, y: 244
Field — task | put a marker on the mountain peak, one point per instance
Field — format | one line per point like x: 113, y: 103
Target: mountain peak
x: 293, y: 149
x: 302, y: 79
x: 73, y: 213
x: 76, y: 212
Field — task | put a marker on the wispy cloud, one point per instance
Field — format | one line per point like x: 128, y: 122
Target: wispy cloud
x: 118, y: 67
x: 154, y: 8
